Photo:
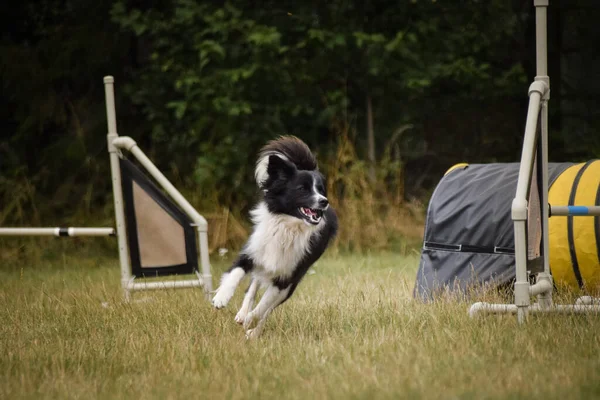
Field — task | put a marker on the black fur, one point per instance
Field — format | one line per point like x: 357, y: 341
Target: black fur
x: 293, y: 187
x: 294, y: 149
x: 289, y: 187
x: 318, y: 245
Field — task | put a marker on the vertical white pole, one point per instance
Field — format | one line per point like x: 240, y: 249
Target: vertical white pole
x: 541, y: 40
x: 542, y: 74
x: 545, y: 299
x: 541, y: 37
x: 116, y: 184
x: 519, y: 206
x: 522, y: 300
x: 204, y: 261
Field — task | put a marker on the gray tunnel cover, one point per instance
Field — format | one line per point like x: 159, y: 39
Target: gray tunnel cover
x: 469, y: 231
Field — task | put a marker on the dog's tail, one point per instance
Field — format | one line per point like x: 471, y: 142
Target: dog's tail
x: 289, y: 148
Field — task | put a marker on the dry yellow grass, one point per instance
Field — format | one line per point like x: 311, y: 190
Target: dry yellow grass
x: 351, y: 330
x: 373, y: 213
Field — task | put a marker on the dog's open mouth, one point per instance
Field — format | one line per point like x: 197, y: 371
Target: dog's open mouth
x: 311, y: 215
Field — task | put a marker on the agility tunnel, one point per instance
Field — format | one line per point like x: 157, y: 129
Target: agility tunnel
x: 469, y: 233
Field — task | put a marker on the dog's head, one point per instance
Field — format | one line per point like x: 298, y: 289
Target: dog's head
x: 294, y: 192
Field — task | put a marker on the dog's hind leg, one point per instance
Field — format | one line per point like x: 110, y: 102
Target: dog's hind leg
x: 255, y: 320
x: 231, y: 279
x: 248, y: 302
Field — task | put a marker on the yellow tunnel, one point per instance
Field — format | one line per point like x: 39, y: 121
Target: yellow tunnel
x: 575, y: 241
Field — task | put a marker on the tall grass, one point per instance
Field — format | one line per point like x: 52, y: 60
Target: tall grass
x: 351, y: 330
x: 373, y: 213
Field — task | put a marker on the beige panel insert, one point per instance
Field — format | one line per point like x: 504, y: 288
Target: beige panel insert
x: 160, y: 237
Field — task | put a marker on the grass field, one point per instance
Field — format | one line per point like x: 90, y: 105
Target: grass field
x: 350, y: 331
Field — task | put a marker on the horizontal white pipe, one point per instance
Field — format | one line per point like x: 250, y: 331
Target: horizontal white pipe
x: 141, y: 286
x: 568, y: 309
x: 575, y: 210
x: 540, y: 287
x: 127, y: 143
x: 491, y: 308
x: 57, y: 231
x: 487, y: 308
x: 587, y: 300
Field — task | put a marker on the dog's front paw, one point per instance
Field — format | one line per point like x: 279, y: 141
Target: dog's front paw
x: 249, y: 320
x: 241, y: 316
x: 221, y: 299
x: 253, y: 333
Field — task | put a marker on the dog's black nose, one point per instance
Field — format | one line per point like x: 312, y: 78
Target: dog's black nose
x: 323, y: 202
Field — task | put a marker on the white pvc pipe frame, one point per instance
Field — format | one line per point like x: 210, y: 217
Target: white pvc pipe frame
x: 115, y: 144
x: 539, y: 94
x: 57, y: 231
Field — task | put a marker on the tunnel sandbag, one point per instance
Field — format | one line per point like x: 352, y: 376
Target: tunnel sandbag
x: 575, y: 241
x: 469, y: 235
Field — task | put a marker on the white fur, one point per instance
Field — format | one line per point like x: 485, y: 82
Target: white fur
x: 262, y: 166
x: 248, y: 302
x: 318, y: 196
x: 229, y: 282
x: 278, y: 242
x: 255, y: 320
x: 276, y: 246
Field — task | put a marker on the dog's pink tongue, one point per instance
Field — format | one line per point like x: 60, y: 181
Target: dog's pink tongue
x: 309, y: 211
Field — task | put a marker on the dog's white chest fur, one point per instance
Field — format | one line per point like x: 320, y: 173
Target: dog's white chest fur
x: 278, y: 242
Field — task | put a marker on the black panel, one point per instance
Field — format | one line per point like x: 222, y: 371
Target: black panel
x: 129, y: 174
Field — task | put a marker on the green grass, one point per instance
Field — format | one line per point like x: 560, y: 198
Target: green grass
x: 351, y: 331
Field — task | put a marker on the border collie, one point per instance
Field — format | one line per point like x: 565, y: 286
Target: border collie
x: 293, y: 225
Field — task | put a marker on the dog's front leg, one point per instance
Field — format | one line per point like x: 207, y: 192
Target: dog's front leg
x: 248, y: 302
x: 231, y: 279
x: 255, y: 320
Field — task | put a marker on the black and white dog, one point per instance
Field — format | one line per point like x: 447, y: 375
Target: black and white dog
x: 293, y: 225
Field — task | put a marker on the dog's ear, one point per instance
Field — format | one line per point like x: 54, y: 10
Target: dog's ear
x: 280, y: 168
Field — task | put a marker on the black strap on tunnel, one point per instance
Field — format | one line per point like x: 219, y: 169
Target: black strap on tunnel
x: 467, y: 248
x: 572, y: 251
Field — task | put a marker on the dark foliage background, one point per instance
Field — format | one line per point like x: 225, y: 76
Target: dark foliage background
x: 395, y: 91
